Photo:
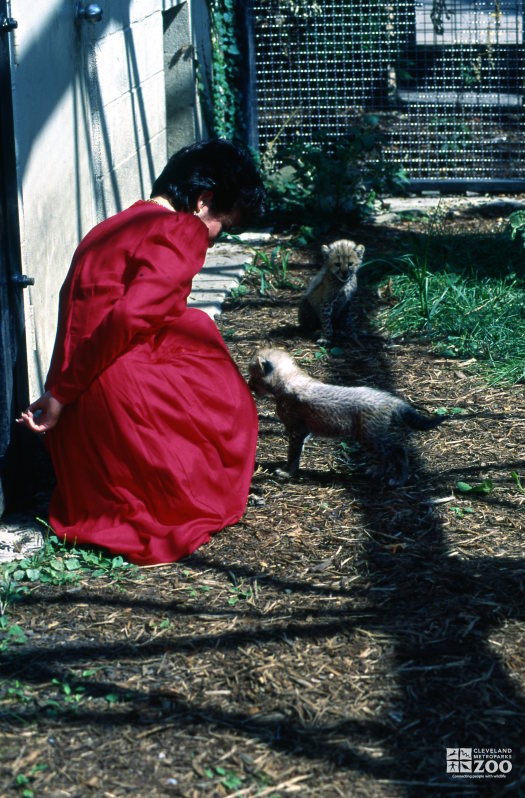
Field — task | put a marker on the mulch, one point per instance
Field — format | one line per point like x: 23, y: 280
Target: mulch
x: 335, y: 642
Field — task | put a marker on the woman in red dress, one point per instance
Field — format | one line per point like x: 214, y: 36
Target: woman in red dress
x: 151, y: 428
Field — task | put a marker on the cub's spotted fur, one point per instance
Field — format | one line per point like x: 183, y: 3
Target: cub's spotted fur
x: 326, y: 304
x: 365, y: 415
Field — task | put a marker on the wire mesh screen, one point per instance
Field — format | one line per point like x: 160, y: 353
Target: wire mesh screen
x: 444, y: 77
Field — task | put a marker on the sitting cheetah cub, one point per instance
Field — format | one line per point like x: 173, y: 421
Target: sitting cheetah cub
x: 327, y: 301
x: 364, y: 415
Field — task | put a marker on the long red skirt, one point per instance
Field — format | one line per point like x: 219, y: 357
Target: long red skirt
x: 158, y: 452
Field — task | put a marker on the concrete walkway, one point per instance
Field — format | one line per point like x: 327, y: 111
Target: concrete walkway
x: 223, y: 270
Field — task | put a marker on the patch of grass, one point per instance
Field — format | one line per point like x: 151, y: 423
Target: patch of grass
x: 466, y: 317
x: 271, y: 270
x: 465, y: 293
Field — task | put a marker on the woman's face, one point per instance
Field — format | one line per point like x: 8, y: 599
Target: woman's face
x: 215, y: 222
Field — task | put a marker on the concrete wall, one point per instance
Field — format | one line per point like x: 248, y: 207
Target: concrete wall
x: 91, y: 130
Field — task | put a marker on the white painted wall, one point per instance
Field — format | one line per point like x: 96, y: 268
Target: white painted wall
x: 91, y: 133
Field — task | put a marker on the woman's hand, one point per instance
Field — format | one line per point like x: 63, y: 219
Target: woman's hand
x: 42, y: 415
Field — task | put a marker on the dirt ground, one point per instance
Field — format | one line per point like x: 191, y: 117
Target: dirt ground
x: 333, y: 643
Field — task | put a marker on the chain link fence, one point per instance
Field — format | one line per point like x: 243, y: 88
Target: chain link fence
x: 444, y: 79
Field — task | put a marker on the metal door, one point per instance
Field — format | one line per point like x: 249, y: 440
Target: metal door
x: 13, y: 372
x: 47, y: 203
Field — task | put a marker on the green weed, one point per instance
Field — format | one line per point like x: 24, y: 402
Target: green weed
x: 11, y: 634
x: 22, y: 781
x: 242, y: 591
x: 233, y: 781
x: 460, y: 511
x: 238, y: 291
x: 268, y: 271
x: 485, y: 487
x: 71, y: 694
x: 517, y: 226
x: 450, y: 411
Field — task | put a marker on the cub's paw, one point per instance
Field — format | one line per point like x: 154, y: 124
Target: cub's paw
x: 397, y: 482
x: 254, y: 500
x: 282, y: 473
x: 375, y: 472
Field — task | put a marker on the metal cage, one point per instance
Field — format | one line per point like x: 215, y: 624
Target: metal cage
x: 445, y: 79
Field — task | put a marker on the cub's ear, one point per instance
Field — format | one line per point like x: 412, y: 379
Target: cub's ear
x: 325, y: 250
x: 266, y: 366
x: 360, y: 251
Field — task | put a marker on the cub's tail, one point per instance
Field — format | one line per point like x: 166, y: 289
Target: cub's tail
x: 415, y: 420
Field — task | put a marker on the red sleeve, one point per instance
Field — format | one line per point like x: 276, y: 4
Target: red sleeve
x: 158, y: 291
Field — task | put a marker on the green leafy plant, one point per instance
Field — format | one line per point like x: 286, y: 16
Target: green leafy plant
x: 226, y: 67
x: 233, y: 781
x: 58, y: 563
x: 329, y: 179
x: 18, y: 692
x: 450, y: 411
x: 22, y: 781
x: 238, y: 291
x: 240, y: 592
x: 11, y: 634
x: 464, y: 293
x: 72, y: 694
x: 517, y: 225
x: 269, y: 270
x: 460, y: 511
x: 487, y: 486
x: 10, y: 592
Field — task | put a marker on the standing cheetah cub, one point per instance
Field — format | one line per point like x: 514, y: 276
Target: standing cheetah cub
x: 328, y: 298
x: 363, y: 415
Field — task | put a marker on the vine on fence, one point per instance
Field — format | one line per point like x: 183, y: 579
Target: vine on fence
x: 226, y: 69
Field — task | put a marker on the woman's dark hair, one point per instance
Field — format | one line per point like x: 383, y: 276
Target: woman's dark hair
x: 219, y: 166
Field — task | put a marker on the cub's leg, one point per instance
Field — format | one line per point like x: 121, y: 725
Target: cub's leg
x: 396, y: 464
x: 344, y: 315
x: 308, y: 319
x: 390, y: 459
x: 296, y: 438
x: 327, y: 330
x: 345, y: 324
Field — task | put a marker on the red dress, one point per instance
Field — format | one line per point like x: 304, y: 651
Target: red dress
x: 155, y: 448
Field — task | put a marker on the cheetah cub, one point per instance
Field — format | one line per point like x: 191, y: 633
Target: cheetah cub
x: 327, y: 301
x: 363, y: 415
